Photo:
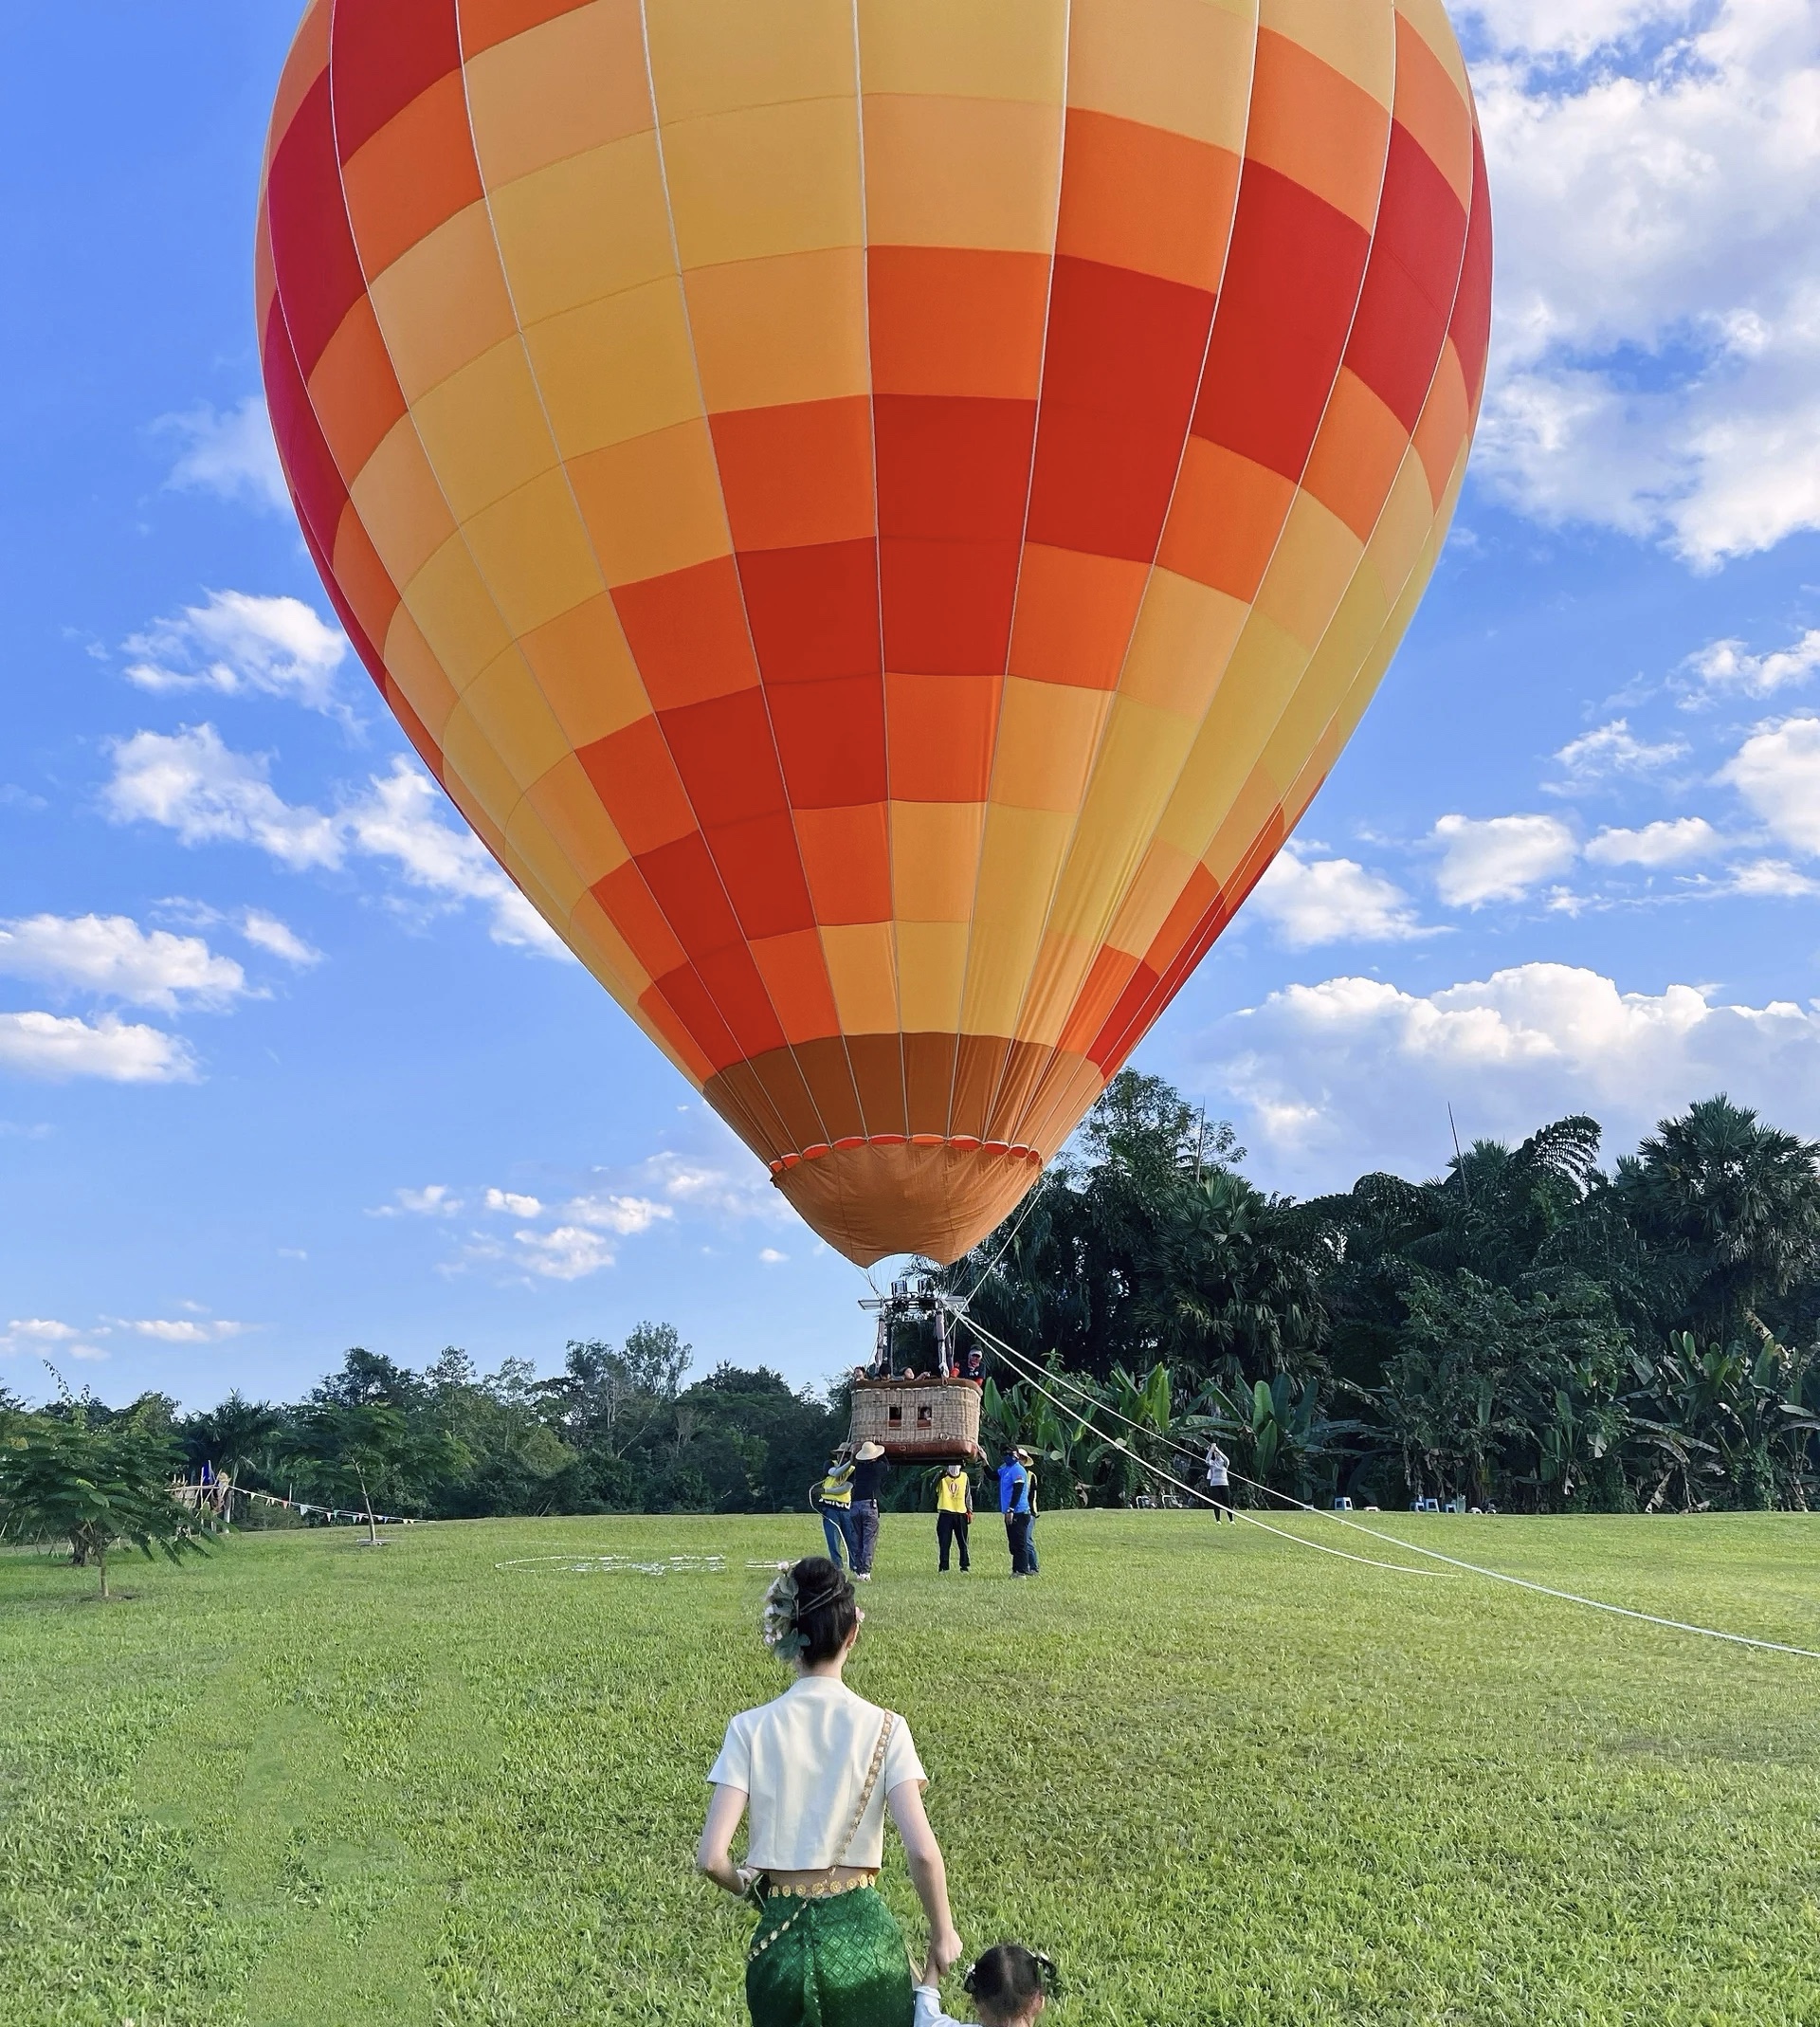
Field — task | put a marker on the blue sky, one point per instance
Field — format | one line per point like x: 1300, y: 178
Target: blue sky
x: 284, y: 1067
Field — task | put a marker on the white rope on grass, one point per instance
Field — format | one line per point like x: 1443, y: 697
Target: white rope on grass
x: 1026, y: 1368
x: 1251, y: 1520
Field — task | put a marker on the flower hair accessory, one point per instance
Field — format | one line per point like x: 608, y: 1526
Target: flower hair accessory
x: 777, y: 1626
x: 780, y: 1625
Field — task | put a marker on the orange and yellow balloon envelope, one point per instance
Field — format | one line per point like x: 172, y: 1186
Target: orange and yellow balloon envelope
x: 879, y: 513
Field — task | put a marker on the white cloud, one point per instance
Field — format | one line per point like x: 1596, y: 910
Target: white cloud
x: 1671, y: 841
x: 265, y: 932
x: 1772, y: 879
x: 228, y: 452
x: 1777, y: 773
x: 435, y: 1199
x: 52, y: 1047
x: 193, y: 784
x: 397, y: 821
x: 240, y: 641
x: 736, y: 1189
x: 1331, y: 900
x: 1574, y: 29
x: 185, y: 1330
x: 772, y: 1257
x: 1612, y: 749
x: 1335, y: 1079
x: 1658, y: 298
x: 111, y: 956
x: 43, y: 1334
x: 623, y: 1214
x: 518, y: 1206
x: 568, y: 1254
x: 1498, y: 858
x: 41, y: 1330
x: 1725, y: 664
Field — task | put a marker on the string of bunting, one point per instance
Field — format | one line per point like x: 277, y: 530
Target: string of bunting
x: 230, y: 1489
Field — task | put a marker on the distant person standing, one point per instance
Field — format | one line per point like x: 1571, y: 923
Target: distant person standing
x: 1219, y: 1483
x: 1014, y: 1504
x: 833, y: 1500
x: 954, y: 1515
x: 869, y: 1472
x: 1031, y: 1565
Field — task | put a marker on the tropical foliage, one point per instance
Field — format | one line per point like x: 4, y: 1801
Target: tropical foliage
x: 1524, y: 1330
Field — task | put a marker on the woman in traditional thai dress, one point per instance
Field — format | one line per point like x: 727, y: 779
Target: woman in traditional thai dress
x: 819, y: 1767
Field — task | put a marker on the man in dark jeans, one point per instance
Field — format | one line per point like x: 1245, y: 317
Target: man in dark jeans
x: 1014, y: 1504
x: 869, y: 1471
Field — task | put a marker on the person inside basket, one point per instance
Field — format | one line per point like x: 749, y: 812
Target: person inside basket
x: 818, y: 1767
x: 1010, y: 1985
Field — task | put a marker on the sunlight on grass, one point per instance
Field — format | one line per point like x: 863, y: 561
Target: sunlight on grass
x: 1218, y: 1778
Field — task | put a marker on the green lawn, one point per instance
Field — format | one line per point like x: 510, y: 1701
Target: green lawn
x: 1220, y: 1777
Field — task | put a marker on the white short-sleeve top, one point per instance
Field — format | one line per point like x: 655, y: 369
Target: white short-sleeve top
x: 803, y: 1760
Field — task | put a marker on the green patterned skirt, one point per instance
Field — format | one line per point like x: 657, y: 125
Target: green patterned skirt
x: 834, y: 1962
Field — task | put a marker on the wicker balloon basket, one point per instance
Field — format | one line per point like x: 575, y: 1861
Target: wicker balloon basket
x: 918, y: 1421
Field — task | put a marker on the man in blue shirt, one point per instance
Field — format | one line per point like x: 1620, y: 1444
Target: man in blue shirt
x: 1014, y: 1504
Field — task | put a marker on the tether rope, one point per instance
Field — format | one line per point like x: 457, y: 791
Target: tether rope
x: 1026, y: 1369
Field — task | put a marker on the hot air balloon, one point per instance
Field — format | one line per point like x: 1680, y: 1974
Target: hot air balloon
x: 880, y: 514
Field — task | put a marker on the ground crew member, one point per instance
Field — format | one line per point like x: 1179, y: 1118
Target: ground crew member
x: 953, y: 1514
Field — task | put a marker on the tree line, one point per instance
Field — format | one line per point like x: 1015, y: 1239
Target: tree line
x: 1526, y: 1330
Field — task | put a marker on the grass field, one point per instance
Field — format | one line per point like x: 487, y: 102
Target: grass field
x: 1220, y: 1777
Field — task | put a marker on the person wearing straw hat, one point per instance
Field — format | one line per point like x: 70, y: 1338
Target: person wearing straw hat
x: 869, y: 1472
x: 819, y: 1768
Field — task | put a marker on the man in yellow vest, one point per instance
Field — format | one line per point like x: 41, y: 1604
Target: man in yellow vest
x: 954, y: 1513
x: 833, y: 1500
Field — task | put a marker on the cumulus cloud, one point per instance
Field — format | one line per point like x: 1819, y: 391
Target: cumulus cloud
x: 238, y: 642
x: 228, y: 452
x: 1656, y: 168
x: 191, y: 783
x: 1777, y: 773
x: 1309, y: 902
x: 518, y: 1206
x: 1498, y: 858
x: 435, y: 1199
x: 397, y: 821
x: 769, y: 1256
x: 1671, y: 841
x: 42, y: 1334
x: 112, y: 957
x: 622, y: 1214
x: 733, y: 1189
x: 568, y: 1254
x: 1612, y: 749
x: 1772, y: 880
x: 54, y: 1048
x: 265, y: 932
x: 1727, y: 665
x: 1353, y: 1074
x: 185, y: 1329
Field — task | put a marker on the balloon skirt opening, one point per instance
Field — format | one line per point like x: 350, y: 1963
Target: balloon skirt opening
x: 870, y: 1198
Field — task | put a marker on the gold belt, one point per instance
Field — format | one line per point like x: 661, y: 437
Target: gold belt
x: 826, y: 1890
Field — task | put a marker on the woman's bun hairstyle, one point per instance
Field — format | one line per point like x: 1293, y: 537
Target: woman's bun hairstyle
x: 1005, y: 1979
x: 810, y: 1613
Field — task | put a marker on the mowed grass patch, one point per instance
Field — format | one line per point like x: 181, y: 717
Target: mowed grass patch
x: 1221, y: 1778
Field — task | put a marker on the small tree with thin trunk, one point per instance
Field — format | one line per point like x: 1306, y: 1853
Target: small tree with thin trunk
x: 97, y: 1488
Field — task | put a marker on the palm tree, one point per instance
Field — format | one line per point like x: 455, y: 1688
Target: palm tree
x: 1732, y: 1203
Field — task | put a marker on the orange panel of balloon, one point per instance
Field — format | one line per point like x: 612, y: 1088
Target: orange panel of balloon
x: 879, y: 513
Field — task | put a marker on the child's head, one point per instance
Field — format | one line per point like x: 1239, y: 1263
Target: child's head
x: 1008, y: 1986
